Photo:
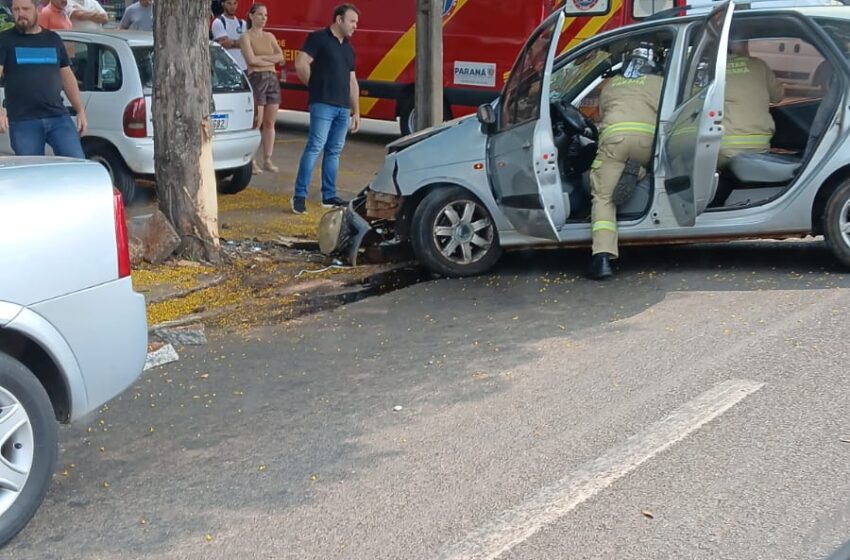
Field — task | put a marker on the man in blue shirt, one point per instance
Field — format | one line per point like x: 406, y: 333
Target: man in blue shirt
x: 35, y: 66
x: 326, y: 66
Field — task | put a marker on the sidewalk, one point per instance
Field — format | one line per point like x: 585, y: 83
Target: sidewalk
x: 273, y: 271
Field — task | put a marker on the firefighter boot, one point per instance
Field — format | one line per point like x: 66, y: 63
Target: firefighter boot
x: 625, y: 187
x: 600, y: 267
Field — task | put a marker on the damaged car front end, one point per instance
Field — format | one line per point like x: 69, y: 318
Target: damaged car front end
x: 376, y: 222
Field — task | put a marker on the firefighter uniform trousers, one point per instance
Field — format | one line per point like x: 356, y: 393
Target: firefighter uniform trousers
x: 628, y: 107
x: 608, y: 166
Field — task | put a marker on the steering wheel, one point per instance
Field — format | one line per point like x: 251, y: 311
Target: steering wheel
x: 575, y: 120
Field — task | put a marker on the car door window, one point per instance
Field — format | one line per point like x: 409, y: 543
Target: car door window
x: 78, y: 56
x: 109, y: 77
x: 580, y: 81
x: 523, y: 90
x: 795, y: 62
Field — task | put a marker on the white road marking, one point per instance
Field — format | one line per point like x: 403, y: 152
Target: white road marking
x: 516, y: 525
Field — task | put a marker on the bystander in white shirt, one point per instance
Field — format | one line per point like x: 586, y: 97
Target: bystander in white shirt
x: 232, y: 28
x: 86, y: 15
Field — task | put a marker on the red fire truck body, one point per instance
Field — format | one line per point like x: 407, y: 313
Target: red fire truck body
x: 481, y: 39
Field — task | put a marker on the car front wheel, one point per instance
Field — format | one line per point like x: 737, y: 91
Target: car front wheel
x: 836, y: 223
x: 28, y: 446
x: 453, y: 234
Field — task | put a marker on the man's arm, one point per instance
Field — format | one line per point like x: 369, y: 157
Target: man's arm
x: 302, y: 67
x: 126, y: 20
x: 354, y: 99
x: 72, y: 90
x: 219, y: 33
x: 83, y: 15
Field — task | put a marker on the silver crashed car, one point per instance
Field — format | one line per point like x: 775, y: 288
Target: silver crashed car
x: 73, y: 333
x: 516, y: 174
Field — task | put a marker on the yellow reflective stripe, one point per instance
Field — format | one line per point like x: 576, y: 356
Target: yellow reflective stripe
x: 747, y: 141
x: 604, y: 226
x: 597, y: 163
x: 627, y: 128
x: 397, y: 59
x: 592, y: 25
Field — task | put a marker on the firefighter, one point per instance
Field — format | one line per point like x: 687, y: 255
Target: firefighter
x: 751, y: 87
x: 628, y: 106
x: 748, y: 127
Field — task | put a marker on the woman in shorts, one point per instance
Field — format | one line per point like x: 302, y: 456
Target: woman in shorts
x: 262, y: 53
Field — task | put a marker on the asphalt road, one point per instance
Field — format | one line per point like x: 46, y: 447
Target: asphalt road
x: 694, y: 407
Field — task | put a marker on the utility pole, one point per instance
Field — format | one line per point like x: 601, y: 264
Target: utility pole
x: 429, y: 63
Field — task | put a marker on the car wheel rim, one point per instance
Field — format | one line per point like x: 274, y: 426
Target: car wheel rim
x: 463, y: 232
x: 844, y: 223
x: 17, y: 447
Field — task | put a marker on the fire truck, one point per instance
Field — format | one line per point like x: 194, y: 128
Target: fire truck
x: 481, y: 39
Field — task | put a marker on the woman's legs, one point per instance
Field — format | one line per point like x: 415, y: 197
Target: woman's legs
x: 258, y: 119
x: 269, y: 117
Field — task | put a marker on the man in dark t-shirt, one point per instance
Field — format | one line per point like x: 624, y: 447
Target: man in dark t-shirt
x: 326, y: 66
x: 35, y: 67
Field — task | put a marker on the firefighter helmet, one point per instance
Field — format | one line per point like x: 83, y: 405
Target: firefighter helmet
x: 640, y: 61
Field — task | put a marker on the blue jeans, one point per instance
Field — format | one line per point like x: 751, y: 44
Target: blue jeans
x: 328, y: 127
x: 29, y: 137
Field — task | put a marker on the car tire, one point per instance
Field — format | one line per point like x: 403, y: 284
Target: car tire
x: 446, y: 242
x: 33, y: 444
x: 236, y: 182
x: 836, y: 223
x: 122, y: 178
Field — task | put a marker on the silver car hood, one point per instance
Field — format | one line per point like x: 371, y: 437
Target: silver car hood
x: 416, y: 137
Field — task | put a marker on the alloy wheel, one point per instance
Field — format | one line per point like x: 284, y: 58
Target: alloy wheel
x: 17, y: 447
x: 463, y: 232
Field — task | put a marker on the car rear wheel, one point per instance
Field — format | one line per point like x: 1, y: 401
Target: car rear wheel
x: 122, y: 178
x: 836, y: 223
x: 453, y: 234
x: 237, y: 182
x: 28, y: 446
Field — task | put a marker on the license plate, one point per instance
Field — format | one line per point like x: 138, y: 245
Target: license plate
x: 219, y: 121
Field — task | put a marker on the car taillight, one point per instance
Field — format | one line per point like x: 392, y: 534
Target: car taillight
x: 136, y: 119
x: 122, y: 241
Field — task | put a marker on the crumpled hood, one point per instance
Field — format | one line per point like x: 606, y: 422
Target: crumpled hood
x: 416, y: 137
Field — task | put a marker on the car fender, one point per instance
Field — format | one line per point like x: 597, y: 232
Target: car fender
x: 456, y: 175
x: 39, y: 330
x: 8, y: 311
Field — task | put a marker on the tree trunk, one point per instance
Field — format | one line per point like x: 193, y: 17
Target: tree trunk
x: 182, y: 99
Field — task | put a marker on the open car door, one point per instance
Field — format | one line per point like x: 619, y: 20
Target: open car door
x: 692, y: 145
x: 522, y: 157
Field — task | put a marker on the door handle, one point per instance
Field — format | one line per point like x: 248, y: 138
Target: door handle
x: 526, y: 146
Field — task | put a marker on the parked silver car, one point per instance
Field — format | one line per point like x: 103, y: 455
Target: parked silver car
x: 73, y: 333
x: 517, y: 174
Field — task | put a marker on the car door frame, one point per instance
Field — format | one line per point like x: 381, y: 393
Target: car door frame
x: 535, y: 209
x: 693, y: 133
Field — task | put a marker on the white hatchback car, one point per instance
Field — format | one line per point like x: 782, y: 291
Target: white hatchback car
x: 115, y: 72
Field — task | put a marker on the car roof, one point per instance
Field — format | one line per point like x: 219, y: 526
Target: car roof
x: 133, y: 38
x: 698, y: 14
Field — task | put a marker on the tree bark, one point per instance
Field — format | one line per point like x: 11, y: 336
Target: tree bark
x: 182, y: 99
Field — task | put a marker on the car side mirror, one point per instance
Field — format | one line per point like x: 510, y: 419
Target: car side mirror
x: 487, y: 117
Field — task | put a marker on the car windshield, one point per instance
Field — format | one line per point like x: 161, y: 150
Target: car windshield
x: 225, y: 74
